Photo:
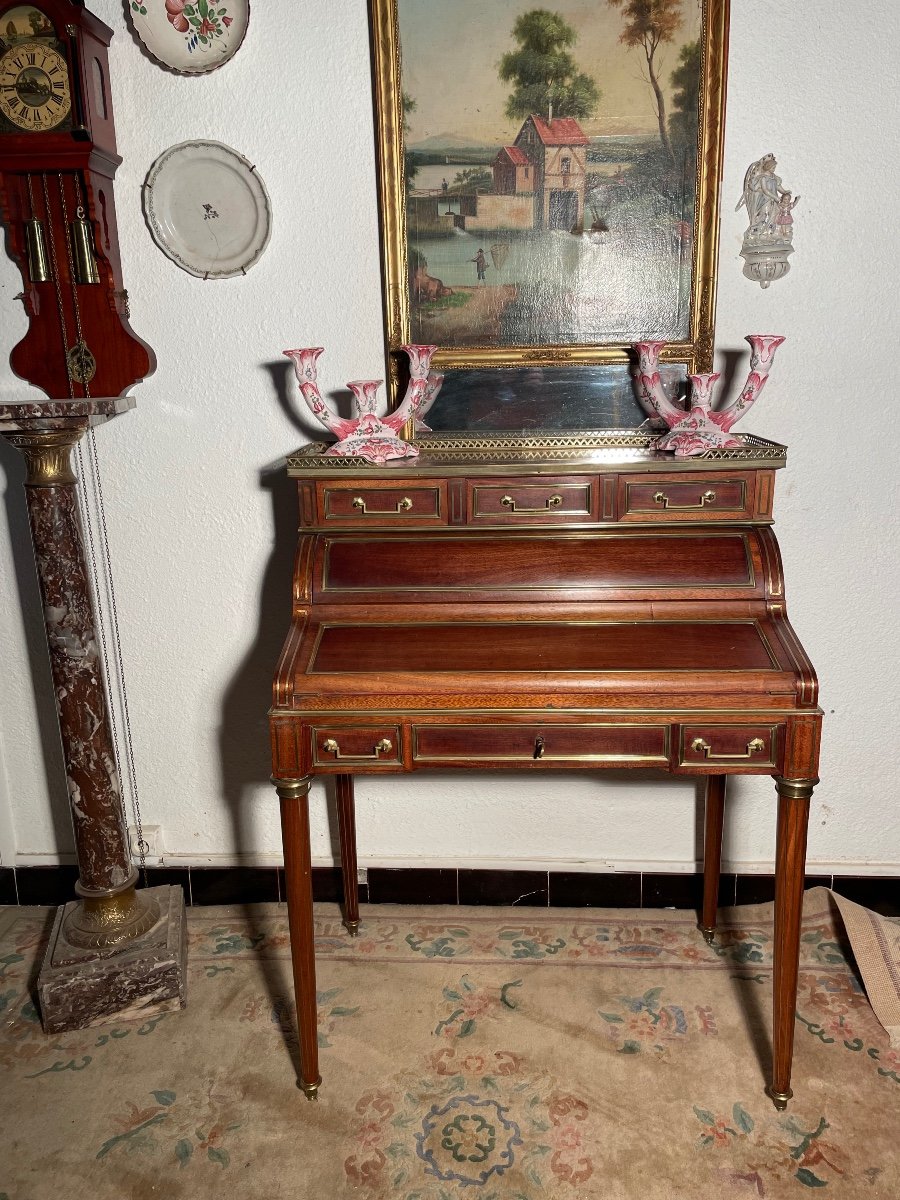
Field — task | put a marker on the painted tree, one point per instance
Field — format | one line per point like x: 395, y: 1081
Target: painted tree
x: 543, y: 72
x: 648, y: 24
x: 684, y: 122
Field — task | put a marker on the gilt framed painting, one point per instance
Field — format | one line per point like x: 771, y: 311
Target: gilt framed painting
x: 549, y: 179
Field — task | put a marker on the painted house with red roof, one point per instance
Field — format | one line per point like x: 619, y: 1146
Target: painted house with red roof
x: 538, y: 181
x: 557, y: 151
x: 513, y: 172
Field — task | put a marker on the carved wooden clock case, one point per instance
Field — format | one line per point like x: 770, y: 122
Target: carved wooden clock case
x: 57, y: 162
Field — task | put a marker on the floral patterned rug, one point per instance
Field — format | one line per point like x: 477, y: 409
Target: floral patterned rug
x: 467, y: 1054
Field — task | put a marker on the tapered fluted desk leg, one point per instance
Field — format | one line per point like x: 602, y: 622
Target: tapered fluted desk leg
x: 790, y: 865
x: 346, y: 810
x: 294, y: 796
x: 712, y: 853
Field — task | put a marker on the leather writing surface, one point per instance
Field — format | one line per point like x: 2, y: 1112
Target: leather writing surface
x: 652, y: 646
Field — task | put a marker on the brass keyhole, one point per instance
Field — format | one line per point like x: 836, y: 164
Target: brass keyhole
x: 538, y: 747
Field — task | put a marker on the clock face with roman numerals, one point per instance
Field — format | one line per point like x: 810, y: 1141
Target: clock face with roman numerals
x: 34, y: 86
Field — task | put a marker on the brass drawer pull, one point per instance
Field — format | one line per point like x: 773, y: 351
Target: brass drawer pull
x: 509, y: 502
x: 403, y: 505
x: 663, y: 499
x: 330, y: 746
x: 754, y: 746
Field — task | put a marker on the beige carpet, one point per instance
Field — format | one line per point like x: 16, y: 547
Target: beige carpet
x: 467, y: 1054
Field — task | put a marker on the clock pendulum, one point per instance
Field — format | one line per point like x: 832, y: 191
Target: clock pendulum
x: 115, y: 947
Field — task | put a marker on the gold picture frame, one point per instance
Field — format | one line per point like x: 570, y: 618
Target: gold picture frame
x: 693, y: 347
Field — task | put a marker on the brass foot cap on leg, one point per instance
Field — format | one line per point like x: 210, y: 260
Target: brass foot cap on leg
x: 352, y: 928
x: 709, y: 934
x: 310, y: 1090
x: 779, y: 1099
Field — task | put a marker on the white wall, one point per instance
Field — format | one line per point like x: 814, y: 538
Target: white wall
x: 200, y: 521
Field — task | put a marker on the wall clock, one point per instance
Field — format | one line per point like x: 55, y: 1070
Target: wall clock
x: 58, y: 159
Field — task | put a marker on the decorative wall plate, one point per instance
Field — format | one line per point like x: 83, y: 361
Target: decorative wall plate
x: 207, y: 209
x: 190, y: 36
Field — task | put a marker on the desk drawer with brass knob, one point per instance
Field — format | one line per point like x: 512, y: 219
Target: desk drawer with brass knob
x: 542, y: 744
x: 670, y: 498
x: 744, y: 748
x: 371, y: 504
x: 348, y: 747
x: 548, y: 501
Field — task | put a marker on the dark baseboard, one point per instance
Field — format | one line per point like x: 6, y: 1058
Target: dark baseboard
x: 447, y: 885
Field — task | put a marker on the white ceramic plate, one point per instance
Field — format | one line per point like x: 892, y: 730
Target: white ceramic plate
x: 207, y: 209
x: 190, y: 36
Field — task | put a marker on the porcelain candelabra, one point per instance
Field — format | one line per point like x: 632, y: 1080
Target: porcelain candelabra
x: 699, y: 429
x: 367, y: 435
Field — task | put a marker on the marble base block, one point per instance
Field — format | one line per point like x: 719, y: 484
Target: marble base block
x: 78, y: 988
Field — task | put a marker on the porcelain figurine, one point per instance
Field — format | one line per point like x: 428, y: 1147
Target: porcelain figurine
x: 769, y: 234
x: 701, y: 428
x: 367, y: 435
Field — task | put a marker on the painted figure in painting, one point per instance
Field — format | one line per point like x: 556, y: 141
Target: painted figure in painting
x: 564, y: 139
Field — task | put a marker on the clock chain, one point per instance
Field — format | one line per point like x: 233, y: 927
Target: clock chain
x: 81, y: 362
x: 80, y: 227
x: 88, y: 523
x: 57, y: 286
x: 103, y: 540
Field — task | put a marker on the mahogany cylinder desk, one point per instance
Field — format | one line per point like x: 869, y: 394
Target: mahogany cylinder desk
x: 620, y: 608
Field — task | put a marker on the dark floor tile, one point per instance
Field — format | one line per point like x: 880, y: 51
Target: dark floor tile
x: 161, y: 876
x: 663, y: 890
x: 46, y: 885
x: 8, y: 886
x: 760, y: 889
x: 326, y: 884
x: 580, y: 889
x: 233, y: 885
x: 528, y: 888
x: 671, y: 890
x: 881, y: 893
x: 413, y: 886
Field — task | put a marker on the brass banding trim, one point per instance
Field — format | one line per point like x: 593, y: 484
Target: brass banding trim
x: 795, y: 789
x: 546, y: 754
x: 599, y: 535
x: 748, y: 756
x: 292, y: 789
x: 715, y: 504
x: 775, y: 665
x: 407, y: 503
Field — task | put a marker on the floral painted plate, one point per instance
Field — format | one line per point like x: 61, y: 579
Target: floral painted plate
x: 207, y: 209
x: 191, y: 36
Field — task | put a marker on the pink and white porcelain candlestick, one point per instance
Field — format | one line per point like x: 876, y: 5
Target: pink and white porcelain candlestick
x: 648, y: 383
x: 367, y: 435
x: 702, y: 429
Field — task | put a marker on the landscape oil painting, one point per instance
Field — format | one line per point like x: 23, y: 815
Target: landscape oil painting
x: 549, y: 175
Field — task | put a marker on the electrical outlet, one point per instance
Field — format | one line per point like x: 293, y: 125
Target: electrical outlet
x: 152, y: 842
x: 362, y: 875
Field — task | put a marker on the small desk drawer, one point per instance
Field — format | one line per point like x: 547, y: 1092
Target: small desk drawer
x: 537, y: 502
x: 392, y: 503
x: 670, y: 498
x: 346, y: 746
x: 542, y: 744
x: 739, y: 747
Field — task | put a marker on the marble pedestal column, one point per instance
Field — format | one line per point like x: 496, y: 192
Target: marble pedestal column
x: 115, y: 951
